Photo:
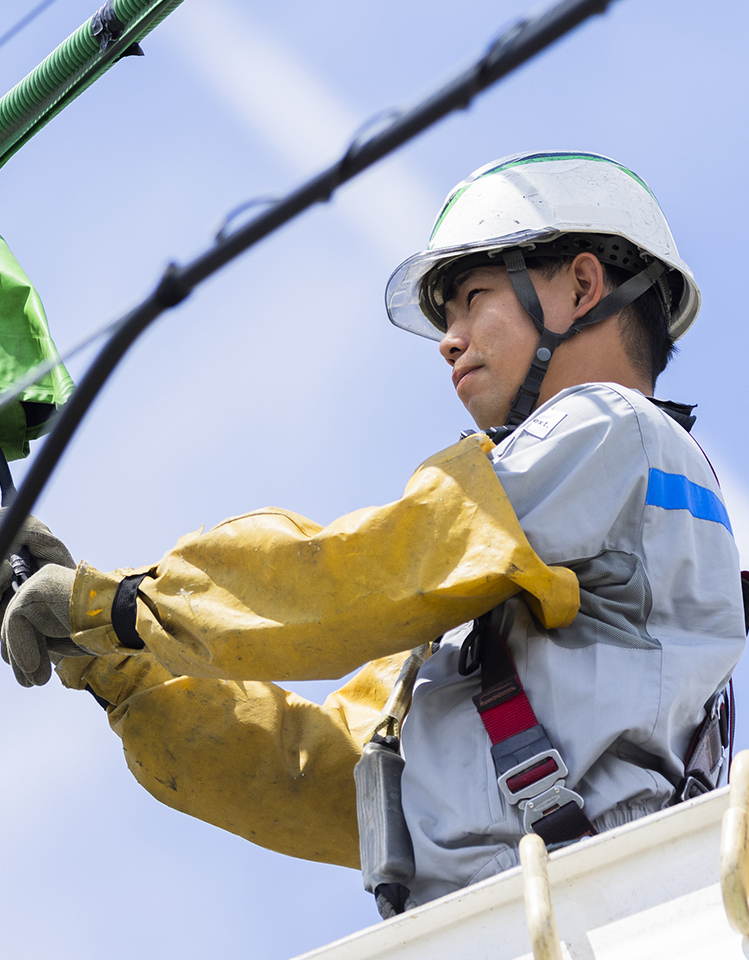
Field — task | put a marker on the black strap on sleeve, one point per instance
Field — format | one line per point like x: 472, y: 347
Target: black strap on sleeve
x: 124, y: 611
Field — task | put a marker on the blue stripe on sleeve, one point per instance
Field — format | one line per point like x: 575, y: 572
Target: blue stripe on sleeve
x: 673, y: 491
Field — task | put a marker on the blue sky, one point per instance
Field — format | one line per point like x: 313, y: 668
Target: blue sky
x: 281, y: 381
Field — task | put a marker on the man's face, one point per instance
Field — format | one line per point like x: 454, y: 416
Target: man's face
x: 491, y: 340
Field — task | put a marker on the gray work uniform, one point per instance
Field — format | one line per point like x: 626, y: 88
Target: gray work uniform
x: 606, y: 483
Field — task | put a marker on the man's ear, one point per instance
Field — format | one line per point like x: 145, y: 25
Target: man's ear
x: 586, y: 271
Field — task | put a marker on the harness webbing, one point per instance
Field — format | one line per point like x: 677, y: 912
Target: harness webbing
x: 530, y: 771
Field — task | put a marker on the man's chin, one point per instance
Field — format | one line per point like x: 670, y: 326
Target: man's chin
x: 486, y: 419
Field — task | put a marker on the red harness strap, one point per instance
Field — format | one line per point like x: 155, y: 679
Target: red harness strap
x: 530, y: 771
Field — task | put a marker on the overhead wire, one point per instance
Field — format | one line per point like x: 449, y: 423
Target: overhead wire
x: 22, y: 384
x: 513, y: 47
x: 24, y: 21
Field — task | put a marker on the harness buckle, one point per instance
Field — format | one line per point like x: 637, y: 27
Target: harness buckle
x: 691, y: 787
x: 537, y: 808
x: 519, y: 783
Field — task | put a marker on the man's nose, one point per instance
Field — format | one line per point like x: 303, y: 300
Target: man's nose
x: 453, y: 345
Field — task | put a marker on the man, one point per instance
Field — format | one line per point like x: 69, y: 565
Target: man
x: 555, y: 288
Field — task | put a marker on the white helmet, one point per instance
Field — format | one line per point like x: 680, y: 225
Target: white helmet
x: 555, y: 204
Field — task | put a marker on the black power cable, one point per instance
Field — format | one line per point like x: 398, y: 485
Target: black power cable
x: 513, y: 47
x: 24, y: 21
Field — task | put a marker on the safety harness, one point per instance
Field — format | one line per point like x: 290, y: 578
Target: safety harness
x: 530, y: 771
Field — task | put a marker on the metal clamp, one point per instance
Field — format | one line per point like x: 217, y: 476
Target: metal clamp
x: 719, y: 702
x: 538, y: 786
x: 544, y: 803
x: 691, y: 787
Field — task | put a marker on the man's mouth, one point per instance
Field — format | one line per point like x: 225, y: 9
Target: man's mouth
x: 460, y: 373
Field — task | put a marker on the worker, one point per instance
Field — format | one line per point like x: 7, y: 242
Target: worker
x: 574, y: 556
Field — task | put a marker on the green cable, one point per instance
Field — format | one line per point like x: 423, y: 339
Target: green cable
x: 69, y: 69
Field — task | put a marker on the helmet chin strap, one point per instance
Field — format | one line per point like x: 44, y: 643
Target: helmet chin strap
x: 527, y: 396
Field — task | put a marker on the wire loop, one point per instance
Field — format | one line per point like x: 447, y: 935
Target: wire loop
x: 223, y: 231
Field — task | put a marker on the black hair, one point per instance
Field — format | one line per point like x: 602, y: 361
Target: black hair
x: 644, y: 325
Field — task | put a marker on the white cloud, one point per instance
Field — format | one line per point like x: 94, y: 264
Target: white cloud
x: 287, y: 104
x: 736, y: 495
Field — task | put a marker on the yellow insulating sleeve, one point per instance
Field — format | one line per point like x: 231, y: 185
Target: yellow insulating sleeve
x: 249, y: 757
x: 273, y: 596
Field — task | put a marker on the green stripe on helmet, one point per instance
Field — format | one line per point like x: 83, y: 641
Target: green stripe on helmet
x: 533, y: 158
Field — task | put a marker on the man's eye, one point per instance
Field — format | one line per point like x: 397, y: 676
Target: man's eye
x: 472, y: 294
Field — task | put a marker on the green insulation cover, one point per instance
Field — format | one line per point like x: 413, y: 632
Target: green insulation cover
x: 24, y: 343
x: 70, y: 69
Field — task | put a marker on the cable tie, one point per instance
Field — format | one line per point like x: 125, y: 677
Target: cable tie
x: 172, y: 289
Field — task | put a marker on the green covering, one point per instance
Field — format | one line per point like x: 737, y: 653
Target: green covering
x: 70, y: 69
x: 24, y: 343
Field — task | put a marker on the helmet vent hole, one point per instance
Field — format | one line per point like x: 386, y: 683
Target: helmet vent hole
x: 614, y: 246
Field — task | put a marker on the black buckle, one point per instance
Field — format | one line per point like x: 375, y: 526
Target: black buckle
x: 470, y: 650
